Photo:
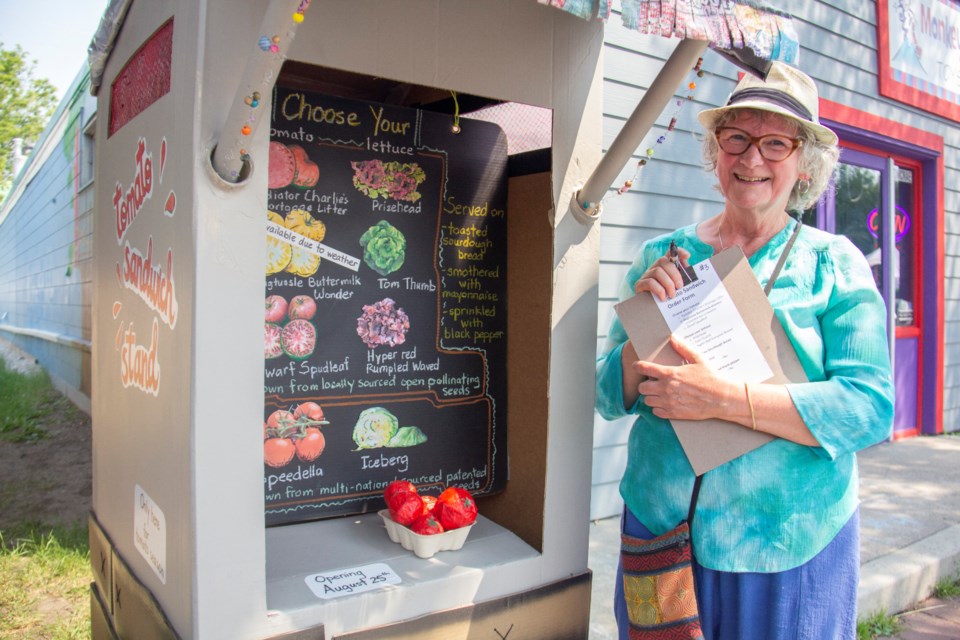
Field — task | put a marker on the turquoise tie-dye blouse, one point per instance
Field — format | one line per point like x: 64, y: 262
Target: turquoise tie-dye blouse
x: 776, y: 507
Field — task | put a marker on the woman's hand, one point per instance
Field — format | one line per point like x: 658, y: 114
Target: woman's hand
x: 692, y: 391
x: 688, y: 392
x: 663, y: 278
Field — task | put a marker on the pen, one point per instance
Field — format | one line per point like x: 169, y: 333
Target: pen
x: 673, y: 255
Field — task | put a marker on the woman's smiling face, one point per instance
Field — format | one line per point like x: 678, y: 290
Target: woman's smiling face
x: 749, y: 182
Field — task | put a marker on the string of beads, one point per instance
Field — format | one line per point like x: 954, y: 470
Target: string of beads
x: 651, y: 151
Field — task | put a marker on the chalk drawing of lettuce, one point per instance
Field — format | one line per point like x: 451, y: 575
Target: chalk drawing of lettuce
x: 390, y: 180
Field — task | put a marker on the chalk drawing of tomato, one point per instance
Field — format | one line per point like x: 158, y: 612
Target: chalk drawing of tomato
x: 278, y: 251
x: 281, y: 167
x: 278, y: 451
x: 275, y: 308
x: 272, y: 347
x: 310, y: 445
x: 304, y: 307
x: 298, y: 338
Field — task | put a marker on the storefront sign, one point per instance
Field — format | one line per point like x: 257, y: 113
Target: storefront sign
x: 902, y: 223
x: 919, y: 49
x: 385, y: 302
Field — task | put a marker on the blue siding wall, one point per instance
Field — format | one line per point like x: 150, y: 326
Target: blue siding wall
x: 45, y: 248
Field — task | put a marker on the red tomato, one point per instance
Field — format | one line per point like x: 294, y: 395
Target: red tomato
x: 426, y: 525
x: 280, y: 420
x: 406, y: 507
x: 397, y: 486
x: 456, y: 508
x: 311, y: 445
x: 311, y: 410
x: 275, y: 308
x: 302, y: 307
x: 429, y: 502
x: 278, y: 451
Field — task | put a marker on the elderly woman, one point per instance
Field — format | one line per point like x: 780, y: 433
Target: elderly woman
x: 776, y: 533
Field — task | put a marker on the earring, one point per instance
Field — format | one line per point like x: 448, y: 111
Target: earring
x: 803, y: 186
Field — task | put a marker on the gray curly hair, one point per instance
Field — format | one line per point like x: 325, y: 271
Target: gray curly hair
x: 817, y: 160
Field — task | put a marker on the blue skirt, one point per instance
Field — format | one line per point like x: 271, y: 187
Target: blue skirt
x: 815, y: 601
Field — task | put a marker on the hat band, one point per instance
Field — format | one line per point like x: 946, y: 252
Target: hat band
x: 778, y: 98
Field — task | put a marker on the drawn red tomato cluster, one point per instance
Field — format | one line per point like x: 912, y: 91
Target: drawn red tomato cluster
x: 425, y: 514
x: 288, y: 327
x: 287, y: 434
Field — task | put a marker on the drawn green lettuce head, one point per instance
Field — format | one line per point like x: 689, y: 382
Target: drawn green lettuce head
x: 384, y: 247
x: 407, y: 437
x: 374, y: 428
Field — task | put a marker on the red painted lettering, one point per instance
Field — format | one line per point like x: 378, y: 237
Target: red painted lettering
x: 127, y: 205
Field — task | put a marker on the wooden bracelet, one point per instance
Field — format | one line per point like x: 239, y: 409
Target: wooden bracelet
x: 753, y: 416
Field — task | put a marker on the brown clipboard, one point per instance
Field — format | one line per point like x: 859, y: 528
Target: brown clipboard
x: 710, y: 443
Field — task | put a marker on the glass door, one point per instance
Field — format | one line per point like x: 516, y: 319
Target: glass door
x: 858, y: 208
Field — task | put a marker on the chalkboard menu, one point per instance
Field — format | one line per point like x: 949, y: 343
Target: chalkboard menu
x: 385, y: 329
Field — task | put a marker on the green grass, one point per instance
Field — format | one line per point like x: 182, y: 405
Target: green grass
x: 44, y: 570
x: 24, y: 399
x: 876, y: 625
x: 949, y: 588
x: 45, y: 588
x: 882, y: 625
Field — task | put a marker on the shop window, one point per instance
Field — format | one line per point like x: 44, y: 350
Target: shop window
x: 87, y: 152
x: 858, y: 214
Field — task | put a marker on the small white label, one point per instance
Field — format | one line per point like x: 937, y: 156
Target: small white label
x: 150, y: 532
x: 345, y: 582
x: 298, y: 240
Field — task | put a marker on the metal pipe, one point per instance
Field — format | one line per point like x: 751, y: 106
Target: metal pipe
x: 586, y: 202
x: 277, y: 30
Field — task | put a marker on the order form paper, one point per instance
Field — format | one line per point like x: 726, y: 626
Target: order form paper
x: 703, y: 315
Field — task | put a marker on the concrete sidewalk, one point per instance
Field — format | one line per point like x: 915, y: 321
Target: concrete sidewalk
x: 910, y: 530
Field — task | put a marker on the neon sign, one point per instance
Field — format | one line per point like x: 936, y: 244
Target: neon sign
x: 902, y: 223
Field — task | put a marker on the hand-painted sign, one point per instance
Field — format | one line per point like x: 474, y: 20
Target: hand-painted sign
x: 139, y: 271
x: 385, y: 325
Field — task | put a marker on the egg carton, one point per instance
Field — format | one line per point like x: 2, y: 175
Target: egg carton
x: 424, y: 546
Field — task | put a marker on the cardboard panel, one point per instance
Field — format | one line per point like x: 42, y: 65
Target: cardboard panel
x: 136, y: 613
x: 101, y: 561
x: 101, y: 627
x: 142, y: 312
x: 313, y: 633
x: 529, y: 299
x: 553, y: 612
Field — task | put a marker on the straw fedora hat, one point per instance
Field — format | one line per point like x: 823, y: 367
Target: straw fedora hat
x: 787, y: 91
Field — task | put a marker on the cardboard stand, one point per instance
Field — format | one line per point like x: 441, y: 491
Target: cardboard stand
x: 180, y: 542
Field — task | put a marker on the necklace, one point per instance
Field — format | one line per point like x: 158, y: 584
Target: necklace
x: 720, y: 234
